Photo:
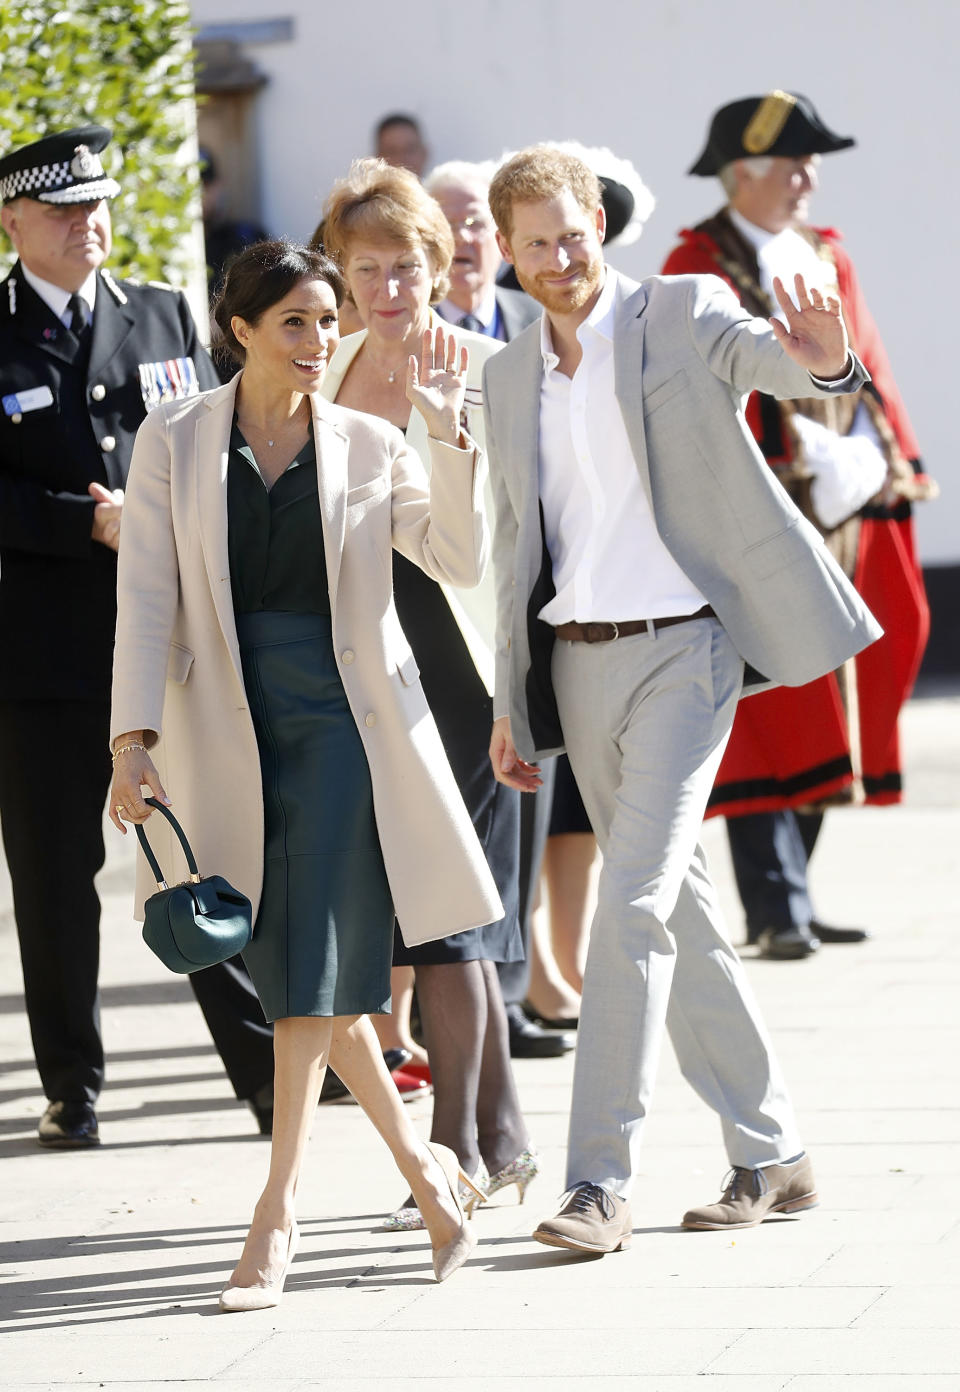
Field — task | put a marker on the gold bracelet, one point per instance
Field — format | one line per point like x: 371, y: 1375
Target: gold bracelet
x: 125, y: 747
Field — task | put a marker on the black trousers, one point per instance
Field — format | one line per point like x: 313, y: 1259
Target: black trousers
x: 770, y: 853
x: 54, y: 776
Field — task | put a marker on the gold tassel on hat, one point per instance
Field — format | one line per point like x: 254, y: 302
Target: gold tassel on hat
x: 767, y: 122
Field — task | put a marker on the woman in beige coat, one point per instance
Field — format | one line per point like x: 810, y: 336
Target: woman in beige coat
x: 259, y: 658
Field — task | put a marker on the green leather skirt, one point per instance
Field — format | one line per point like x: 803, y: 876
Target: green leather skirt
x: 323, y: 937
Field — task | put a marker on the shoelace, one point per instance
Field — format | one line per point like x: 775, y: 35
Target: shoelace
x: 585, y: 1196
x: 736, y: 1180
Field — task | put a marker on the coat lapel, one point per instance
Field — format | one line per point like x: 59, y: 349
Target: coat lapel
x: 35, y: 322
x: 628, y: 336
x: 524, y: 446
x: 211, y: 458
x: 112, y: 325
x: 332, y: 450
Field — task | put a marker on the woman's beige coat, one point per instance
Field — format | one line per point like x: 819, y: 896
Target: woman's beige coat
x: 177, y: 668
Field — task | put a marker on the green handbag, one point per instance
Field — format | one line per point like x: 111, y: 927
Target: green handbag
x: 195, y: 924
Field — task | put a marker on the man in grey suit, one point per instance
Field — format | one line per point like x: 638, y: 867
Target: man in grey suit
x: 645, y: 557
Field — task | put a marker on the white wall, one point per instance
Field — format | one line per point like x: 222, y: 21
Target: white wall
x: 642, y: 78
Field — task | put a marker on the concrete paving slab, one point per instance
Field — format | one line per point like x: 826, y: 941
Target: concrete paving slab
x: 453, y: 1353
x: 112, y: 1259
x: 835, y: 1352
x: 852, y: 1382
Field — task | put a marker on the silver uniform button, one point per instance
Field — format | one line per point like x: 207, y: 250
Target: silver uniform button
x: 347, y: 656
x: 370, y: 718
x: 16, y: 418
x: 108, y: 444
x: 98, y: 392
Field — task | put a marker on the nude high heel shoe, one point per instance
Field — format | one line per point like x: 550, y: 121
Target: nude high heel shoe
x: 451, y: 1256
x: 236, y: 1298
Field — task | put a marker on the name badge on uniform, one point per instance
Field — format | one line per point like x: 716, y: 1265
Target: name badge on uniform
x: 170, y: 380
x: 33, y: 399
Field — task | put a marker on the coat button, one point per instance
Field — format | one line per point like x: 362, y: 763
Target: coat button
x: 108, y: 444
x: 98, y: 392
x: 347, y: 656
x: 369, y: 718
x: 16, y: 418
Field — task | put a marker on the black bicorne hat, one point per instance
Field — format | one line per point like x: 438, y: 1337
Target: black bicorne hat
x: 61, y: 168
x: 780, y: 123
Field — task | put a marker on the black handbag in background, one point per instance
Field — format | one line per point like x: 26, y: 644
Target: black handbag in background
x: 195, y: 924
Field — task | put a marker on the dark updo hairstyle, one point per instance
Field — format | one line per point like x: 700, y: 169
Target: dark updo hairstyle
x: 260, y: 277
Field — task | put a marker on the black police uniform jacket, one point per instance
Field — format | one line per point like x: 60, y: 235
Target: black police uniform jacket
x: 69, y: 420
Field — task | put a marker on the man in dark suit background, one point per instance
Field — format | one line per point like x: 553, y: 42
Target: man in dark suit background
x: 475, y: 300
x: 82, y: 359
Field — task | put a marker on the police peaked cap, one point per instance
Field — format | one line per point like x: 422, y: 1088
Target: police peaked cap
x: 61, y: 168
x: 780, y: 123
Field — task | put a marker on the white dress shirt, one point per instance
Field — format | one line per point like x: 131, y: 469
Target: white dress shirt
x: 57, y: 299
x: 608, y: 560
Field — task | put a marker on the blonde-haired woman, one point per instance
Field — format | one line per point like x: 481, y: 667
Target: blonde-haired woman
x: 395, y: 248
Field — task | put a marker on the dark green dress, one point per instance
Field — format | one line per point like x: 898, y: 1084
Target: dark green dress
x: 323, y: 936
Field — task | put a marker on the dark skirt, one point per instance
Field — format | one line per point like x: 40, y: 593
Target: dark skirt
x: 322, y: 940
x: 463, y: 711
x: 567, y: 813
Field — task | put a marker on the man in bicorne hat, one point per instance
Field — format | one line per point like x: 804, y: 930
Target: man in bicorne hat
x: 83, y: 358
x: 852, y: 466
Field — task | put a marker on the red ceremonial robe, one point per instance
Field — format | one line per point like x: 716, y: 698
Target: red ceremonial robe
x: 797, y: 746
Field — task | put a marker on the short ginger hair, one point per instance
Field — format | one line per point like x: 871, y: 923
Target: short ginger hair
x: 385, y: 203
x: 536, y: 174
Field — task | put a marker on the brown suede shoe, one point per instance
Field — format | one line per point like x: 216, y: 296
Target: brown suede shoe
x: 753, y: 1195
x: 590, y: 1221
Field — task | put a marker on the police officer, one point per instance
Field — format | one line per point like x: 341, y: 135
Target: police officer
x: 82, y: 359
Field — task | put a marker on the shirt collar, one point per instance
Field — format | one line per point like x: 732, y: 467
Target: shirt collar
x: 486, y: 312
x: 758, y: 237
x: 56, y: 298
x: 600, y: 320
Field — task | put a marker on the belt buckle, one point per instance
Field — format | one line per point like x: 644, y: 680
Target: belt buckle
x: 602, y: 623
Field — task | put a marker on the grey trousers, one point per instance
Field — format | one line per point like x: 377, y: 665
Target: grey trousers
x: 645, y: 720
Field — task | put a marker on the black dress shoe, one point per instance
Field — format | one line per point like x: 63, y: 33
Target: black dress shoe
x: 571, y: 1023
x: 787, y: 944
x: 828, y: 934
x: 69, y: 1126
x: 396, y: 1058
x: 528, y: 1040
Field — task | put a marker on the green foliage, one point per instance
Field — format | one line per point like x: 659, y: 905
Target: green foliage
x: 129, y: 67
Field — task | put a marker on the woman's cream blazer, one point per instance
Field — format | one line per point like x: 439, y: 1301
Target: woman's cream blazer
x: 475, y: 609
x: 177, y: 671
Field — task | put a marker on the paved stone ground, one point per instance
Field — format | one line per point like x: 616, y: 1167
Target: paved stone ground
x: 112, y: 1258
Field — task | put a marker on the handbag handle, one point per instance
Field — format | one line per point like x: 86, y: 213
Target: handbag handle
x: 181, y: 837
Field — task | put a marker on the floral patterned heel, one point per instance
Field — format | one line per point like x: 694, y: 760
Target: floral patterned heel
x: 520, y: 1172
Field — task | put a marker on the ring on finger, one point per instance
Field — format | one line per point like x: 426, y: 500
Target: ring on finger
x: 119, y: 808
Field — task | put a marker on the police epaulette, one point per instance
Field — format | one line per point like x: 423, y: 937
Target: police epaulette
x: 161, y: 285
x: 113, y: 287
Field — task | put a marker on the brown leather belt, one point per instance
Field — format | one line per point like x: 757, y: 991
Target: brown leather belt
x: 599, y: 632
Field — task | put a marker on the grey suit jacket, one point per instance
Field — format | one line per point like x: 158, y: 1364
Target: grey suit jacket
x: 686, y: 355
